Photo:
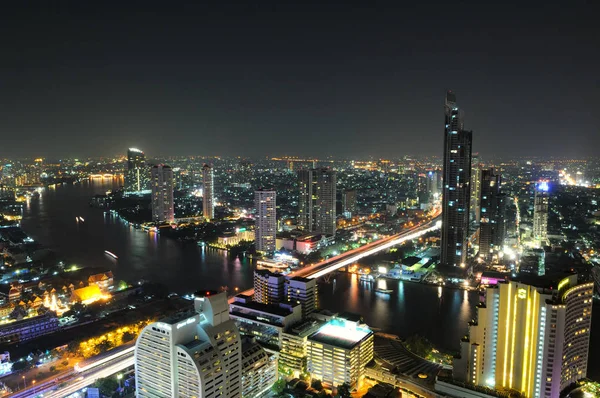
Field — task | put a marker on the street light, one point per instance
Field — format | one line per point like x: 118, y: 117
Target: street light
x: 119, y: 377
x: 24, y: 382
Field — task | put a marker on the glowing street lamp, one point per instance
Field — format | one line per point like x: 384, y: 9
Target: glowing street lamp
x: 119, y: 377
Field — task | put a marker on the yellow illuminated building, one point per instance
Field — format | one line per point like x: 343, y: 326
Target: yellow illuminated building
x: 528, y: 339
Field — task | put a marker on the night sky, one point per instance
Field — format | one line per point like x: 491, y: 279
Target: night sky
x: 178, y: 78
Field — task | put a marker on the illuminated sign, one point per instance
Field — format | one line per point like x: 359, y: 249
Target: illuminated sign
x: 522, y: 293
x: 543, y: 186
x: 186, y: 322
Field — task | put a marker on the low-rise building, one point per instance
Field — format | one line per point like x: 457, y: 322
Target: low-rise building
x: 293, y: 355
x: 339, y: 351
x: 265, y: 322
x: 28, y: 328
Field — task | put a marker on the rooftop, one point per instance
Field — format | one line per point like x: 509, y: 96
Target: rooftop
x: 340, y: 333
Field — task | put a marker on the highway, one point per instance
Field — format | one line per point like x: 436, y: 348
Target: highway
x: 74, y: 381
x: 322, y: 268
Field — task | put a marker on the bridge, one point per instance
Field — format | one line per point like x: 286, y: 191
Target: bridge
x: 324, y: 267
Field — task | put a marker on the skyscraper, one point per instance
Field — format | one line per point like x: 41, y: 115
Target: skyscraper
x: 540, y: 212
x: 317, y: 200
x: 475, y: 188
x: 138, y: 173
x: 349, y: 204
x: 208, y: 200
x: 171, y: 355
x: 163, y: 209
x: 530, y: 339
x: 456, y: 183
x: 491, y: 233
x: 269, y: 287
x: 266, y: 220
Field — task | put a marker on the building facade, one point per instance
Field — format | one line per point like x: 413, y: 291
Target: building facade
x: 259, y: 370
x: 540, y: 212
x: 163, y: 206
x: 137, y: 177
x: 269, y: 287
x: 456, y: 187
x: 266, y: 220
x: 491, y: 207
x: 303, y: 291
x: 349, y: 203
x: 529, y: 339
x: 476, y: 181
x: 339, y: 351
x: 317, y: 200
x: 208, y: 189
x: 193, y: 355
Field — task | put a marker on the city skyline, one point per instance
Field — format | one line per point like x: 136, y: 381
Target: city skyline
x: 166, y: 83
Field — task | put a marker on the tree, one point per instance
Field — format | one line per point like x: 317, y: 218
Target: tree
x: 419, y: 345
x: 343, y: 391
x: 20, y: 365
x: 107, y: 386
x: 127, y: 337
x: 278, y: 386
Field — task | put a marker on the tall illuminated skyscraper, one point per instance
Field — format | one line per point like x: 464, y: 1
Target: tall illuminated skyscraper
x: 317, y: 199
x: 191, y: 355
x: 163, y: 206
x: 540, y: 212
x: 266, y: 220
x: 492, y: 227
x: 530, y: 339
x: 208, y: 201
x: 475, y: 199
x: 138, y: 173
x: 456, y: 186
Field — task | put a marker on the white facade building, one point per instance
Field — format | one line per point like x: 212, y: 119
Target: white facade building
x: 163, y: 206
x: 266, y: 220
x: 196, y: 355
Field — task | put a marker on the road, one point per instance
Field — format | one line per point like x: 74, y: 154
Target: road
x: 334, y: 263
x: 75, y: 381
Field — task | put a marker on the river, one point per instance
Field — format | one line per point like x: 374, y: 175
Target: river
x: 440, y: 314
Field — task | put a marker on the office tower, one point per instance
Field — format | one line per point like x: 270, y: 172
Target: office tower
x: 456, y: 192
x: 339, y: 351
x: 432, y: 184
x: 266, y: 220
x: 540, y: 212
x: 349, y: 205
x: 303, y: 291
x: 476, y: 172
x: 208, y: 200
x: 259, y: 369
x: 530, y: 339
x: 138, y: 173
x: 171, y: 355
x: 163, y: 207
x: 269, y: 287
x: 317, y: 200
x: 492, y: 204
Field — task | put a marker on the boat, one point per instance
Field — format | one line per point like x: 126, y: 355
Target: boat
x: 384, y: 291
x: 366, y: 278
x: 113, y: 255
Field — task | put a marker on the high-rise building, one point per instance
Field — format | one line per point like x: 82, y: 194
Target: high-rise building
x: 163, y: 206
x: 339, y: 351
x: 317, y: 200
x: 293, y: 356
x: 432, y: 184
x: 266, y: 220
x: 530, y: 339
x: 259, y: 369
x: 540, y: 212
x: 475, y: 200
x: 492, y: 205
x: 456, y: 184
x: 269, y: 287
x: 349, y: 204
x: 208, y: 200
x: 303, y: 291
x: 138, y: 172
x: 171, y: 355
